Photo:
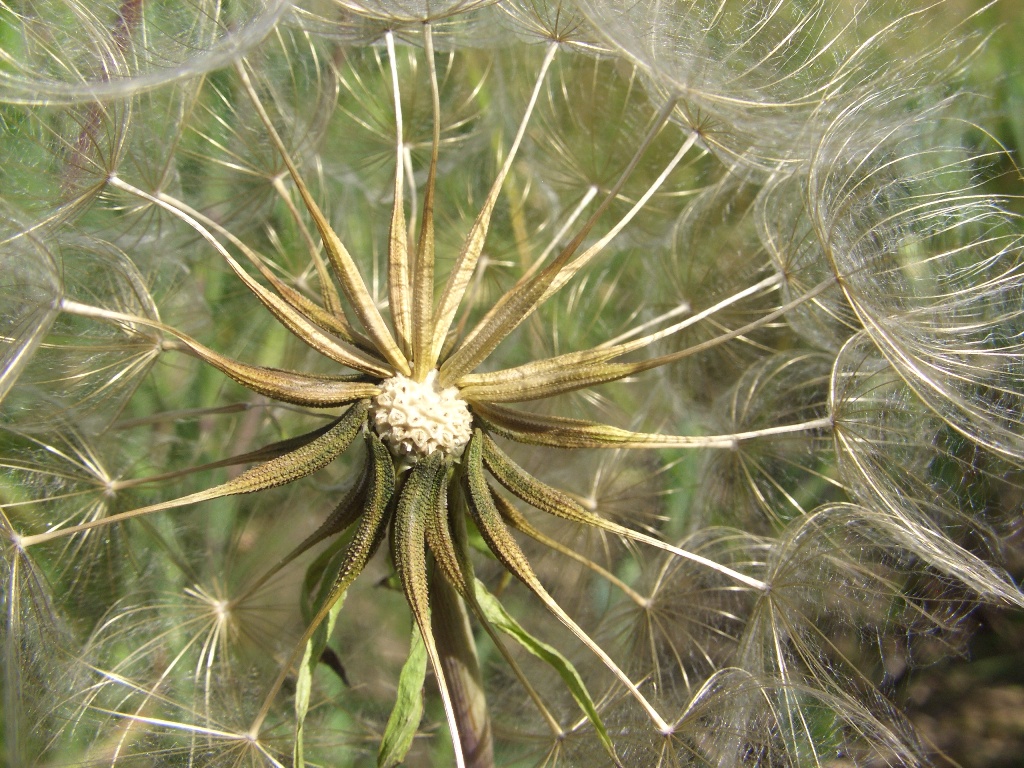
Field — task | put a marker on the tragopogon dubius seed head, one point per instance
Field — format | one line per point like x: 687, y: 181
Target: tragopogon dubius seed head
x: 428, y: 269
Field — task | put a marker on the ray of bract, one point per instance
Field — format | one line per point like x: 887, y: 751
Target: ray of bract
x: 676, y: 311
x: 344, y: 515
x: 303, y: 461
x: 371, y: 530
x: 267, y: 452
x: 425, y: 482
x: 295, y: 321
x: 544, y: 378
x: 520, y: 302
x: 332, y: 302
x: 530, y: 276
x: 771, y: 481
x: 504, y: 546
x: 423, y: 268
x: 312, y: 390
x: 559, y: 236
x: 557, y: 729
x: 345, y: 268
x: 513, y: 517
x: 547, y: 499
x: 566, y: 273
x: 462, y: 273
x: 560, y: 432
x: 583, y: 375
x: 399, y: 283
x: 323, y: 316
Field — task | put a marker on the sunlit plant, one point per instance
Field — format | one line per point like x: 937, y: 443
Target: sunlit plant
x: 566, y: 307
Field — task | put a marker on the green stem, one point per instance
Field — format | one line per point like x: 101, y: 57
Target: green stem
x: 457, y: 649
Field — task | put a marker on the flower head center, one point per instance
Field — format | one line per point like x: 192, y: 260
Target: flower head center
x: 415, y: 418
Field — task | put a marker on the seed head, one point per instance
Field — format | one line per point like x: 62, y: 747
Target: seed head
x: 414, y: 418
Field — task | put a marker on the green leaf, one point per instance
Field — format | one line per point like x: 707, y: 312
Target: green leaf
x: 304, y: 685
x: 408, y: 710
x: 496, y: 614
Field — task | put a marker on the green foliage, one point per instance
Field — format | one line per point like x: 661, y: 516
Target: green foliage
x: 404, y: 720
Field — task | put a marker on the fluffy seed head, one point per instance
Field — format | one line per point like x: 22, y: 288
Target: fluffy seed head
x: 415, y: 418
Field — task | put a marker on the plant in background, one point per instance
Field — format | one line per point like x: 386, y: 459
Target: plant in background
x: 673, y: 351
